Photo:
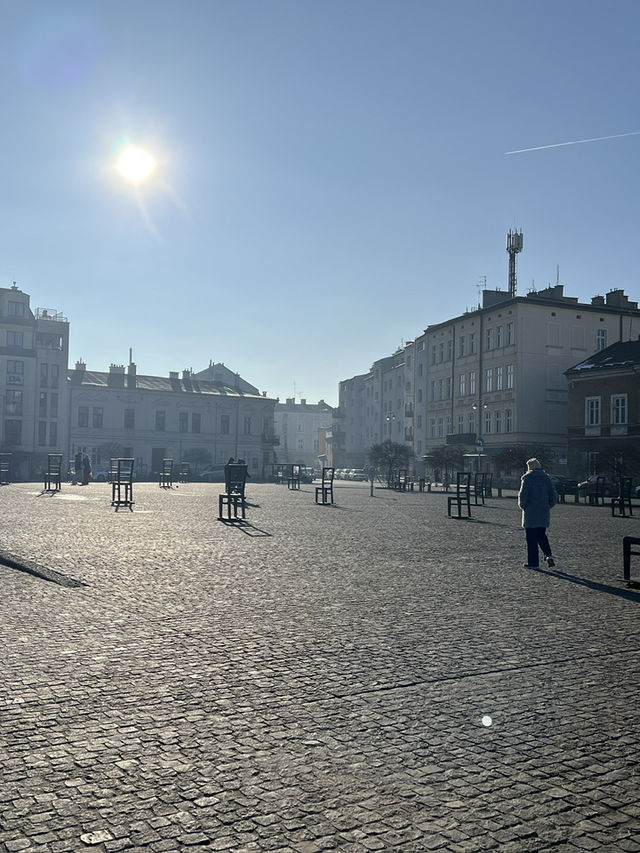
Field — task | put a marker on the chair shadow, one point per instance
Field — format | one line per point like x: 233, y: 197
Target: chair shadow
x: 627, y: 594
x: 245, y: 527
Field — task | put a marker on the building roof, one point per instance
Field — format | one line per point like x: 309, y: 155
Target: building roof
x: 620, y: 354
x: 185, y: 385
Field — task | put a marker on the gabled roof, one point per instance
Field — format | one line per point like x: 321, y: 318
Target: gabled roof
x: 620, y: 354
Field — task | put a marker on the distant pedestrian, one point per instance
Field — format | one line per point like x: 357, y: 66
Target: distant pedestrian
x: 78, y: 467
x: 86, y: 470
x: 535, y: 499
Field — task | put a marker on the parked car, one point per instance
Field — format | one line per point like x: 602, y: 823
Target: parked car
x: 590, y: 485
x: 101, y: 476
x: 358, y: 474
x: 564, y: 484
x: 212, y: 474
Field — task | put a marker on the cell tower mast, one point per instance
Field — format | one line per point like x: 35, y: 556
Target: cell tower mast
x: 514, y: 246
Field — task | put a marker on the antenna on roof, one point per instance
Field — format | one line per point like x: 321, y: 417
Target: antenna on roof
x: 481, y: 285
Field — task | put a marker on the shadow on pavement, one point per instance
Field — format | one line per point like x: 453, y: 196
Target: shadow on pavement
x: 245, y: 526
x: 628, y: 594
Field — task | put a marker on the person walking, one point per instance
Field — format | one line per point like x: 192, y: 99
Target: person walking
x: 86, y: 470
x: 535, y: 499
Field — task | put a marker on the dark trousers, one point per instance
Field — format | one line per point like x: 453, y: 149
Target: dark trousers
x: 536, y: 536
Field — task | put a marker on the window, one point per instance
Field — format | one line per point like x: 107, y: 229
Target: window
x: 487, y: 422
x: 53, y: 434
x: 44, y: 375
x: 129, y: 418
x: 447, y: 388
x: 14, y: 402
x: 440, y: 387
x: 42, y: 404
x: 15, y: 367
x: 16, y: 309
x: 55, y: 375
x: 433, y: 354
x: 499, y: 337
x: 509, y: 376
x: 83, y: 416
x: 419, y: 395
x: 511, y: 334
x: 449, y: 349
x: 183, y: 421
x: 439, y: 427
x: 508, y: 420
x: 601, y: 339
x: 461, y: 346
x: 441, y: 351
x: 224, y: 424
x: 301, y: 444
x: 490, y: 339
x: 472, y: 422
x: 472, y: 343
x: 53, y: 405
x: 13, y: 432
x: 498, y: 379
x: 618, y: 409
x: 15, y: 339
x: 98, y: 417
x: 419, y: 421
x: 462, y: 386
x: 448, y: 429
x: 498, y: 420
x: 42, y: 432
x: 592, y: 411
x: 460, y: 424
x: 196, y: 420
x: 488, y: 379
x: 432, y: 428
x: 472, y: 382
x: 433, y: 389
x: 161, y: 420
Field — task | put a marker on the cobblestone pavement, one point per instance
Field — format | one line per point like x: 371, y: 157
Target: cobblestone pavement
x: 369, y: 676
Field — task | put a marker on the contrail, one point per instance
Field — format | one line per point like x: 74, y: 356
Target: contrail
x: 575, y: 142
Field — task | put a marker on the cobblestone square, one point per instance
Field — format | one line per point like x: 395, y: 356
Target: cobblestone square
x: 359, y: 677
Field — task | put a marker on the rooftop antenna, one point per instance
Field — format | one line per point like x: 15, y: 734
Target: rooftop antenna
x: 557, y: 273
x: 514, y: 247
x: 481, y: 285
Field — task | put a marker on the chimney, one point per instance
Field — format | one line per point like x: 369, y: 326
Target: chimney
x: 116, y: 376
x: 131, y: 375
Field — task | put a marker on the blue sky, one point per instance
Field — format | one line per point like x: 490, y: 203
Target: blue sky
x: 331, y: 177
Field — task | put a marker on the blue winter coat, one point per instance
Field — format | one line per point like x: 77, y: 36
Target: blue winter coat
x: 535, y: 498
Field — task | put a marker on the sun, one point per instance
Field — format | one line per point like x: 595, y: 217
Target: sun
x: 135, y: 164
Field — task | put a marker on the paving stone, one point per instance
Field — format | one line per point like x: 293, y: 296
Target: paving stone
x: 320, y: 687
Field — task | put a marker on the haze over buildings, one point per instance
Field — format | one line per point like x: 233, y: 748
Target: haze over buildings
x: 319, y: 165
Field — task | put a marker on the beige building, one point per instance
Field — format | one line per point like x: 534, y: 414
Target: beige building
x: 182, y: 417
x: 300, y: 429
x: 485, y: 380
x: 34, y: 353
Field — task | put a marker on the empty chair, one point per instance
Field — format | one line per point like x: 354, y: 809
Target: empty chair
x: 324, y: 492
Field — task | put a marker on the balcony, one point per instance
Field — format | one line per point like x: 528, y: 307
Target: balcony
x: 408, y: 410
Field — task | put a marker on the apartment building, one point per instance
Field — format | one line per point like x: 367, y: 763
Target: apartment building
x: 604, y: 412
x: 122, y: 413
x: 34, y: 353
x: 487, y: 379
x: 300, y: 430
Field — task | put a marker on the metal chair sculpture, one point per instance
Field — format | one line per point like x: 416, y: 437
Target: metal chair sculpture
x: 166, y: 474
x: 5, y: 466
x: 293, y: 480
x: 233, y: 498
x: 623, y: 500
x: 53, y: 474
x: 183, y: 474
x: 121, y: 475
x: 479, y: 485
x: 325, y: 490
x: 462, y: 496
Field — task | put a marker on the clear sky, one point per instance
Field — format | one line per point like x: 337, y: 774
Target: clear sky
x: 331, y: 176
